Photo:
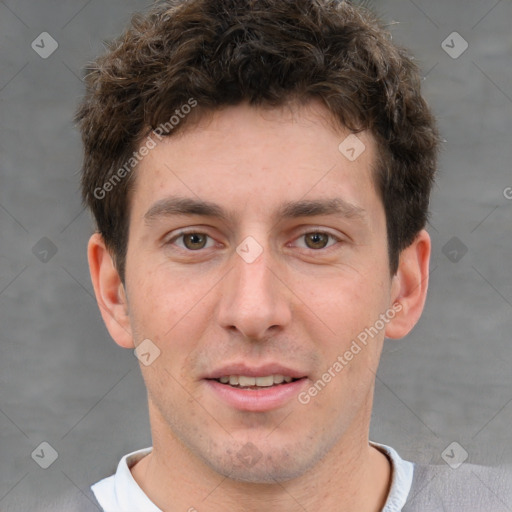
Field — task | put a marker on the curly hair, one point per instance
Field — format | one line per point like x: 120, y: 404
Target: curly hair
x: 264, y: 52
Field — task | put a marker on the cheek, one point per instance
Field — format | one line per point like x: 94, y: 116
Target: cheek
x: 171, y: 310
x: 350, y: 347
x: 155, y: 305
x: 348, y: 303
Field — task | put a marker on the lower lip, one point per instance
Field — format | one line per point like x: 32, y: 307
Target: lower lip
x: 257, y: 400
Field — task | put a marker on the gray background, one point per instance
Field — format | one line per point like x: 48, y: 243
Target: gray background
x: 65, y: 382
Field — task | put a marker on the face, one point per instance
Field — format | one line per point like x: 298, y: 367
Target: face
x: 257, y: 255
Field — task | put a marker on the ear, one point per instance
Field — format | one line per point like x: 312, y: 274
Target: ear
x: 109, y: 291
x: 409, y: 286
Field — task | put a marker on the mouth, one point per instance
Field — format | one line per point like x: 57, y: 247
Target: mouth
x: 255, y: 383
x: 256, y: 389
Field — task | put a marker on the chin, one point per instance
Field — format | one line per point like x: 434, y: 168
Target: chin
x: 270, y: 466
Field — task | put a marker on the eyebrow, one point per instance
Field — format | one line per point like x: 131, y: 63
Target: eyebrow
x: 177, y: 205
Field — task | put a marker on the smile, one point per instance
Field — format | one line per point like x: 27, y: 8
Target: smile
x: 256, y: 394
x: 246, y: 382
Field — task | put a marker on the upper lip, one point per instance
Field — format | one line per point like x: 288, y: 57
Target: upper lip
x: 255, y: 371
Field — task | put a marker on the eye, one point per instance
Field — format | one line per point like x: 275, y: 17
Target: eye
x: 318, y: 240
x: 192, y: 240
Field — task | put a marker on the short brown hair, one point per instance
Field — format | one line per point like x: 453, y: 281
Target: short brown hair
x: 265, y: 52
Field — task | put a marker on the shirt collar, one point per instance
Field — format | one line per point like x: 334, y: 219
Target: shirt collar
x: 401, y: 478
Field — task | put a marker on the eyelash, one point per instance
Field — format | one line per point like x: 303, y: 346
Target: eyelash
x: 195, y: 232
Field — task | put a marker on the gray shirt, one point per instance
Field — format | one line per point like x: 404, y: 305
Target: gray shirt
x: 469, y: 488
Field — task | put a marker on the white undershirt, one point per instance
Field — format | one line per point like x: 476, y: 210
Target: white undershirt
x: 121, y: 493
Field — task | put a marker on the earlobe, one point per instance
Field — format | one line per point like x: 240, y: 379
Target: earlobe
x: 409, y: 287
x: 109, y: 291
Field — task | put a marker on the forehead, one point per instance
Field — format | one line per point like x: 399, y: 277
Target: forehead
x: 256, y: 159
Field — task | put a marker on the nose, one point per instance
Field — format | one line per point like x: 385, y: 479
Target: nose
x: 254, y: 301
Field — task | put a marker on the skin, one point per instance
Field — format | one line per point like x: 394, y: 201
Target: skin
x: 298, y: 304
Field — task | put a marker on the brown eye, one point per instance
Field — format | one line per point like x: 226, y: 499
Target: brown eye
x: 190, y: 241
x: 194, y: 241
x: 316, y: 240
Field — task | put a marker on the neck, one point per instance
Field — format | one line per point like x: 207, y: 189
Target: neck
x: 352, y: 477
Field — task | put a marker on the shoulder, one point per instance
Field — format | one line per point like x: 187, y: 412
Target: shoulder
x: 469, y: 487
x: 69, y: 500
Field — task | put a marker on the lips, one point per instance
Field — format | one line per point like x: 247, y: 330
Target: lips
x: 256, y: 388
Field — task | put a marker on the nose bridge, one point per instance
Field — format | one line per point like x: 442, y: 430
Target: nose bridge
x: 253, y: 278
x: 252, y: 300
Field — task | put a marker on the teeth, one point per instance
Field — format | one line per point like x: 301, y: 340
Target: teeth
x: 245, y: 381
x: 265, y: 381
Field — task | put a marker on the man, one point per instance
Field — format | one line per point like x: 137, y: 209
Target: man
x: 260, y: 174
